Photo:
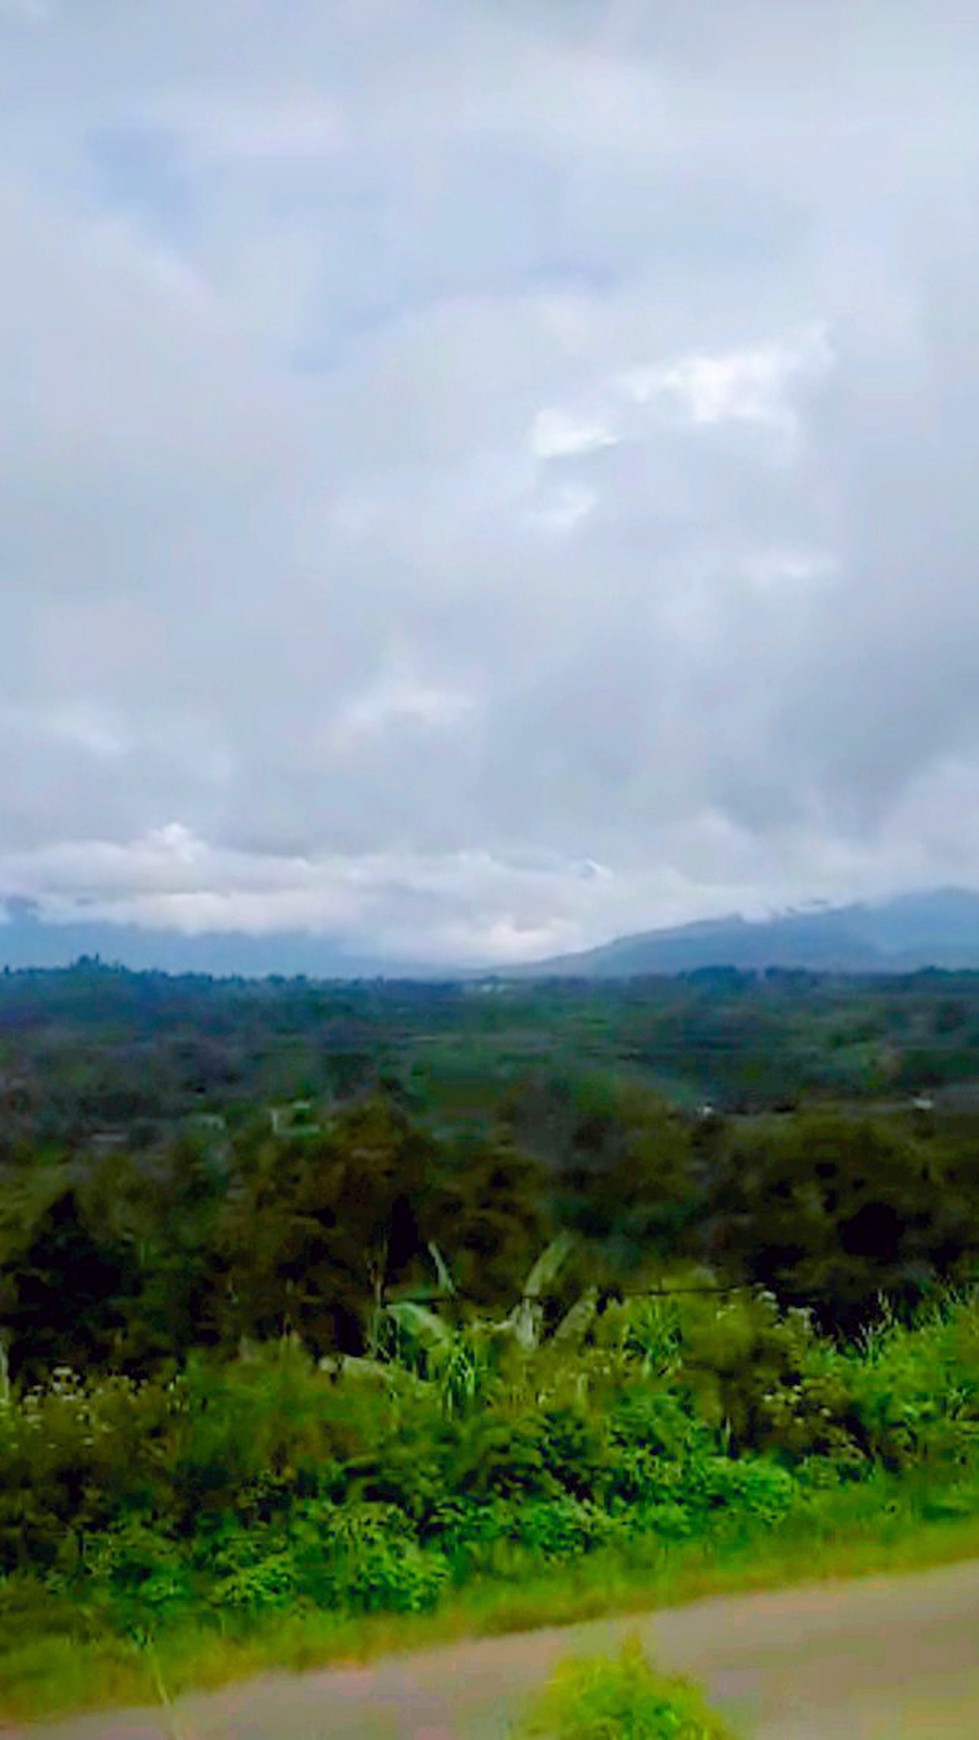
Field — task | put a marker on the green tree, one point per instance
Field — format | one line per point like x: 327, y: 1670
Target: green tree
x: 68, y: 1289
x: 832, y: 1211
x: 492, y: 1215
x: 627, y: 1177
x: 318, y: 1227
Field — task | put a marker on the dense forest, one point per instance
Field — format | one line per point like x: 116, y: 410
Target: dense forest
x: 339, y: 1296
x: 190, y: 1162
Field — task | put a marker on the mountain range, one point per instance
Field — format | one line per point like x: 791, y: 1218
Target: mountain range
x: 28, y: 940
x: 935, y: 928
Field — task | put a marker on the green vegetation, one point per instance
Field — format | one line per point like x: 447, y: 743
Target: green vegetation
x: 387, y: 1313
x: 95, y: 1051
x: 623, y: 1699
x: 655, y: 1441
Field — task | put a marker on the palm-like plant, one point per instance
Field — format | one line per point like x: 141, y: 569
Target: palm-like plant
x: 462, y: 1358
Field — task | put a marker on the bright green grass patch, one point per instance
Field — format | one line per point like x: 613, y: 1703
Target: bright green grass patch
x: 621, y: 1698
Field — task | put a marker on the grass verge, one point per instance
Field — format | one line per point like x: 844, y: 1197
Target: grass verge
x: 877, y: 1528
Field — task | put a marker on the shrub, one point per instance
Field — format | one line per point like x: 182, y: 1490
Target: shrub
x: 505, y: 1457
x: 257, y: 1587
x: 364, y: 1557
x: 749, y: 1487
x: 390, y: 1577
x: 770, y: 1380
x: 620, y: 1699
x: 560, y: 1528
x: 234, y: 1490
x: 137, y: 1576
x: 463, y: 1530
x: 74, y: 1459
x: 916, y: 1390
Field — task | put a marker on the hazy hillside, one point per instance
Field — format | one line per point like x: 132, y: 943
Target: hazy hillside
x: 938, y: 928
x: 27, y: 941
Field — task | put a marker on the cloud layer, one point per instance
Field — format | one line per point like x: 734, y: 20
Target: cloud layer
x: 479, y: 478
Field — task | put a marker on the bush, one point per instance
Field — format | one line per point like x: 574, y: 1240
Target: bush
x: 236, y: 1490
x: 916, y: 1390
x: 392, y: 1579
x: 560, y: 1528
x: 73, y: 1459
x: 364, y: 1558
x: 769, y: 1379
x: 752, y: 1487
x: 137, y: 1576
x: 623, y: 1699
x: 464, y: 1530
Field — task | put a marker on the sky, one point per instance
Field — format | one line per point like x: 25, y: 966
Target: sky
x: 481, y: 478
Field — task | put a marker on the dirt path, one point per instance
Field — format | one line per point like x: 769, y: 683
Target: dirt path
x: 879, y: 1659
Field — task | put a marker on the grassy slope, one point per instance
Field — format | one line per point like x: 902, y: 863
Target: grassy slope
x: 880, y: 1527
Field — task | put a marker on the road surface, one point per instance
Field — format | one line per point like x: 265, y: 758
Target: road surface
x: 877, y: 1659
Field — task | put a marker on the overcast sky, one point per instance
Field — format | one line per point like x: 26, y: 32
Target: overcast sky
x: 483, y: 475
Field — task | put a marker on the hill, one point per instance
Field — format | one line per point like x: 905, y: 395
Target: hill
x: 27, y: 940
x: 937, y: 928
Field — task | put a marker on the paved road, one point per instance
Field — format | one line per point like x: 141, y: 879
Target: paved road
x: 880, y: 1659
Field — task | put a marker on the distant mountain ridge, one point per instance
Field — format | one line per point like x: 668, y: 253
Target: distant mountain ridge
x: 936, y: 928
x: 27, y: 940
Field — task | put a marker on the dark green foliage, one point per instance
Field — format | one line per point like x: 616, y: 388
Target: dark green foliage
x: 482, y: 1120
x: 318, y: 1226
x: 493, y: 1214
x: 70, y: 1289
x: 501, y: 1291
x: 831, y: 1211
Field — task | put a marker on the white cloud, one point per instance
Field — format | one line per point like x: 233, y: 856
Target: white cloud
x: 557, y: 434
x: 563, y: 507
x: 774, y: 569
x: 439, y: 444
x: 751, y: 386
x: 97, y: 731
x: 396, y: 704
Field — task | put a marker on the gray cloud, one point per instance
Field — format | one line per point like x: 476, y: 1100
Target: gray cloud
x: 444, y: 447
